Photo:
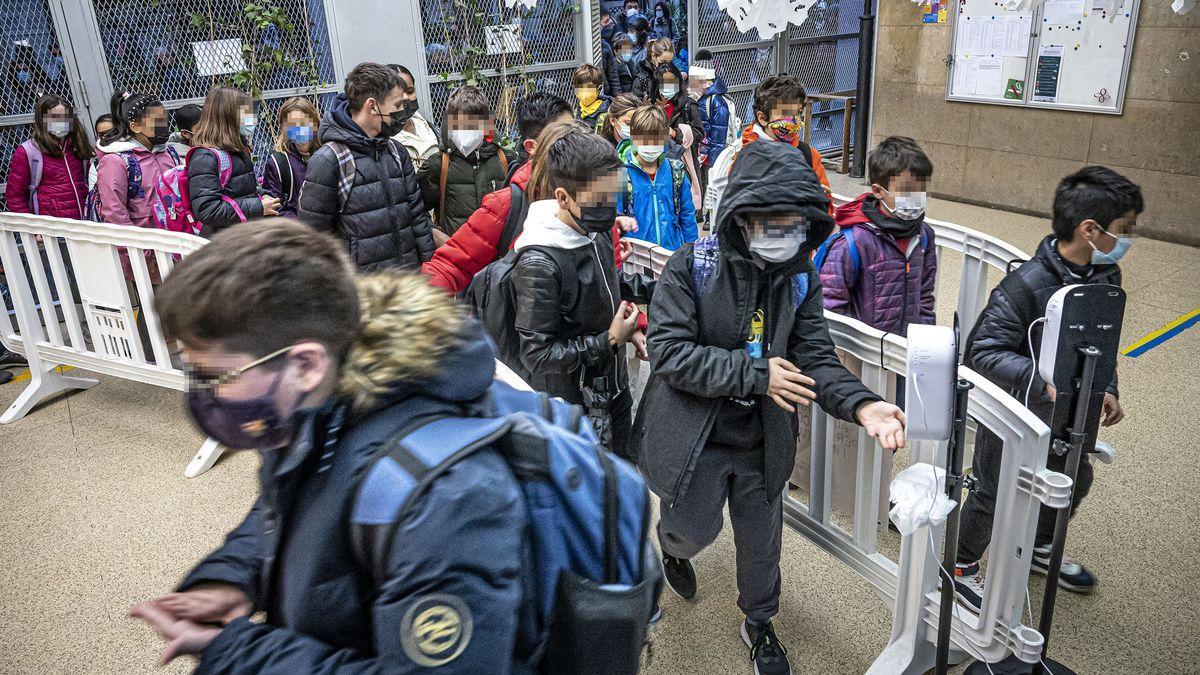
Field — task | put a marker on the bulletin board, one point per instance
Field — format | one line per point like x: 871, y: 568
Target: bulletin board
x: 1066, y: 54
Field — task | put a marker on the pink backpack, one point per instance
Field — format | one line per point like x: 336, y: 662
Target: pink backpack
x: 173, y: 206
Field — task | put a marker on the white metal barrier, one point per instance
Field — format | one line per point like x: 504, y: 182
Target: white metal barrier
x: 910, y: 584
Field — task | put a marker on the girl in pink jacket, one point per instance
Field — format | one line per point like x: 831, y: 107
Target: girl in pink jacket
x: 48, y: 173
x: 136, y: 143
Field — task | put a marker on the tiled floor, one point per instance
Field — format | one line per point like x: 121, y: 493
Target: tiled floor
x: 97, y: 515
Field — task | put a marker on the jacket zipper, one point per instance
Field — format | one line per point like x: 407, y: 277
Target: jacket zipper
x: 599, y: 265
x: 71, y: 178
x: 654, y: 194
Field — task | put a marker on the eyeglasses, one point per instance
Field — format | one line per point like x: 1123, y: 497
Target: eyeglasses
x: 198, y: 379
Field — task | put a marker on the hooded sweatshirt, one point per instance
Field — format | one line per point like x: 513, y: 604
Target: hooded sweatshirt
x: 698, y: 337
x: 465, y: 536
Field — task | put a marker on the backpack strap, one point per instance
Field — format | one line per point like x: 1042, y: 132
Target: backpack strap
x: 851, y: 248
x: 402, y: 470
x: 704, y: 262
x: 678, y: 171
x: 224, y: 174
x: 346, y: 171
x: 133, y: 173
x: 503, y: 161
x: 33, y: 155
x: 441, y: 212
x: 174, y: 154
x: 290, y: 183
x: 518, y: 207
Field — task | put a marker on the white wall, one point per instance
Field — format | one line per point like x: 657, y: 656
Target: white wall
x: 384, y: 31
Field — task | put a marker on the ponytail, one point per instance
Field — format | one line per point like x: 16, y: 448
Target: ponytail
x: 127, y: 107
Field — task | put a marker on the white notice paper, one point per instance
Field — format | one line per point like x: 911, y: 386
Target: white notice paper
x: 966, y: 76
x: 1063, y: 11
x: 989, y: 80
x: 1016, y: 41
x: 219, y: 57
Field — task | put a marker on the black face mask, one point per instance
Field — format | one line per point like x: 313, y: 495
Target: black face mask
x: 159, y: 138
x: 596, y: 219
x: 411, y: 108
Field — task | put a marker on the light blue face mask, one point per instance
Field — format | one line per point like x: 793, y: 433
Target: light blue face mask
x: 249, y: 124
x: 300, y: 135
x: 1114, y: 256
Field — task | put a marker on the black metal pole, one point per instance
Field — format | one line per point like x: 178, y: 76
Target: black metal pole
x: 1078, y: 436
x: 954, y: 483
x: 862, y: 97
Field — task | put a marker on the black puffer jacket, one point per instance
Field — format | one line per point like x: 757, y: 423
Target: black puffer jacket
x: 204, y: 187
x: 998, y: 347
x: 567, y: 290
x: 384, y: 222
x: 619, y: 75
x: 698, y: 341
x: 468, y: 179
x: 645, y: 82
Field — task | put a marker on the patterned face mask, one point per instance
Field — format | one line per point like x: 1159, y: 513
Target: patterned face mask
x: 785, y: 128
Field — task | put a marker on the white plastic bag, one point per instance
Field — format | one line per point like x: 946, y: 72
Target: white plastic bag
x: 920, y: 498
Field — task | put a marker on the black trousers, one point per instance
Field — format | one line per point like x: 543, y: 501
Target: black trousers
x: 979, y: 510
x: 736, y: 475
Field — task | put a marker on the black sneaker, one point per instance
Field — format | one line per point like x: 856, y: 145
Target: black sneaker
x: 1071, y: 576
x: 968, y: 584
x: 766, y: 652
x: 680, y: 576
x: 10, y: 359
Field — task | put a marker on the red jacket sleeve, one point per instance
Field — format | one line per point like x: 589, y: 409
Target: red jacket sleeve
x: 16, y: 191
x: 472, y: 247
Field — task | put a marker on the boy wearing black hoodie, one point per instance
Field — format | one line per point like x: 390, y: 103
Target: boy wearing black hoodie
x: 737, y: 338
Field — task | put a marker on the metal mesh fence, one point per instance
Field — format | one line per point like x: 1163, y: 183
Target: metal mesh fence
x: 714, y: 28
x: 486, y: 35
x: 31, y: 60
x: 824, y: 67
x: 502, y: 93
x: 179, y: 49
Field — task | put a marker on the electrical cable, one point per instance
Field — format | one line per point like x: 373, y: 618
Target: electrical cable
x: 1033, y: 355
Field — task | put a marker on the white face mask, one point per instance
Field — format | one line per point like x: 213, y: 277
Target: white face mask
x: 774, y: 249
x: 669, y: 90
x: 623, y: 131
x: 467, y: 140
x: 650, y: 153
x: 59, y: 129
x: 910, y: 205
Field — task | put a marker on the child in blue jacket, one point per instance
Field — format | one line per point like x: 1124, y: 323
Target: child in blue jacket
x: 658, y: 193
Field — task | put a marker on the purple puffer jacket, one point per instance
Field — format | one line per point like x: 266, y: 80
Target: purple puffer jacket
x: 891, y: 288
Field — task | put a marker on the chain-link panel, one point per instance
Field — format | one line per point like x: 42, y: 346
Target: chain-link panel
x: 10, y: 137
x: 825, y: 67
x: 31, y: 60
x: 464, y: 35
x: 503, y: 94
x: 828, y: 17
x: 741, y: 67
x: 714, y: 28
x: 179, y: 49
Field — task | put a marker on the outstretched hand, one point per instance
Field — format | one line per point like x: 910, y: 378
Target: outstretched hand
x: 183, y: 636
x: 207, y: 603
x: 884, y: 422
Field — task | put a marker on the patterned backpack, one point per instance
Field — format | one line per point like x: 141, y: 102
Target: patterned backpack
x: 134, y: 190
x: 172, y: 206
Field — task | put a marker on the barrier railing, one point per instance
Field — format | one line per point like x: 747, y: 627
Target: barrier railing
x: 910, y: 583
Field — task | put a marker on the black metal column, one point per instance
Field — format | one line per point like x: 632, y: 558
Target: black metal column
x: 862, y: 101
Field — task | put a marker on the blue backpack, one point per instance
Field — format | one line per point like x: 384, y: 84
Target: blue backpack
x: 595, y: 579
x: 855, y: 262
x: 706, y: 254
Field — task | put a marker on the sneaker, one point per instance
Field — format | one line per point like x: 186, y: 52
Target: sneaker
x: 968, y: 585
x: 766, y: 652
x: 10, y: 359
x: 680, y: 576
x: 6, y: 377
x: 1071, y: 575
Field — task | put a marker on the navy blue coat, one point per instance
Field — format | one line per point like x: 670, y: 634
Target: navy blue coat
x: 462, y: 546
x: 714, y: 115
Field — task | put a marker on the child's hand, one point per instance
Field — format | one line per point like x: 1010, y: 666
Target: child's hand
x: 787, y: 384
x: 639, y: 345
x: 623, y: 325
x: 207, y: 603
x: 1051, y: 392
x: 627, y: 224
x: 1113, y: 412
x: 270, y: 205
x: 183, y: 636
x: 884, y: 422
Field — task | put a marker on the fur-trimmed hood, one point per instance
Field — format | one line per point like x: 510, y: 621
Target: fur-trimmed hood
x: 414, y: 340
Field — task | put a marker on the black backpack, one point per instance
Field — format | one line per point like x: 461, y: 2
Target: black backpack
x: 517, y: 210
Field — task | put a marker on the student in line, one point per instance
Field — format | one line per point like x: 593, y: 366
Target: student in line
x: 48, y: 172
x: 299, y: 122
x: 186, y: 119
x: 222, y: 139
x: 881, y: 265
x: 657, y: 190
x: 418, y: 136
x: 621, y: 70
x: 646, y: 83
x: 134, y: 155
x: 1094, y: 217
x: 591, y: 103
x: 361, y: 184
x: 471, y: 163
x: 478, y: 243
x: 738, y: 343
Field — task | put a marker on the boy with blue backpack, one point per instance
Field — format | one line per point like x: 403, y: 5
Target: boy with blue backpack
x: 881, y: 265
x: 404, y: 491
x: 657, y: 191
x: 737, y: 342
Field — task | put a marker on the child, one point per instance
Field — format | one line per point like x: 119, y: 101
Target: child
x: 881, y: 266
x: 48, y: 173
x: 297, y: 141
x: 102, y: 125
x: 418, y: 136
x: 717, y: 111
x: 1095, y: 212
x: 778, y: 116
x: 621, y: 69
x: 471, y: 164
x: 591, y: 106
x: 226, y: 127
x: 136, y: 144
x: 646, y: 83
x: 569, y: 318
x: 620, y: 114
x: 186, y: 119
x: 683, y: 120
x: 657, y: 190
x: 736, y: 320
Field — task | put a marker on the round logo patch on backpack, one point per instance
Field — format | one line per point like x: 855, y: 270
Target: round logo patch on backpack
x: 436, y: 630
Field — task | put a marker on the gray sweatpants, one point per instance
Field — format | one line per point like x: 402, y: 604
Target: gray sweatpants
x: 733, y: 474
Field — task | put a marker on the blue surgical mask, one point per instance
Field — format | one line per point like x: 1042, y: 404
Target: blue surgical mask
x: 627, y: 56
x: 249, y: 124
x: 1114, y: 256
x: 300, y: 135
